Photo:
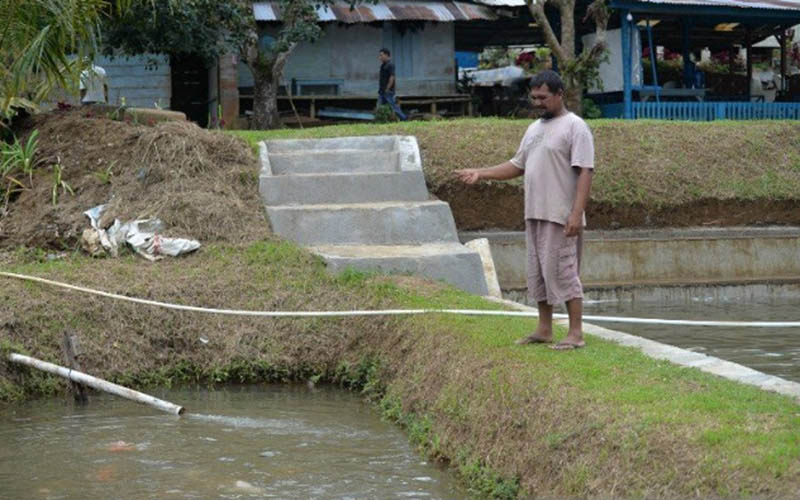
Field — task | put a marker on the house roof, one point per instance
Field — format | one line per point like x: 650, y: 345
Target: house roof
x: 757, y: 4
x: 386, y: 10
x: 503, y: 3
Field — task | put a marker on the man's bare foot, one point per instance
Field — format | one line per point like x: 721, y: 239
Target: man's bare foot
x: 535, y: 338
x: 573, y: 340
x: 568, y: 345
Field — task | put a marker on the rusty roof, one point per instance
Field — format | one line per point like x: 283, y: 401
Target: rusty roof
x: 387, y: 10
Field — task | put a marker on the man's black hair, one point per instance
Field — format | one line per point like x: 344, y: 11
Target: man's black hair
x: 550, y: 78
x: 386, y: 51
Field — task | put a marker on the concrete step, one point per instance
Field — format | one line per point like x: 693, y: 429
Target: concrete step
x: 361, y: 143
x: 326, y: 162
x: 452, y: 263
x: 343, y: 188
x: 388, y: 223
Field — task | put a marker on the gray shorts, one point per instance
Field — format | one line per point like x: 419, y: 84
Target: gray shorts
x: 554, y: 262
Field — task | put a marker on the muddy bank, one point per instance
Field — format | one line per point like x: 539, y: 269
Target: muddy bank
x: 500, y: 206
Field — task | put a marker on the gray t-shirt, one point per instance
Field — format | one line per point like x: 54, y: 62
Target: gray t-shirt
x: 548, y: 153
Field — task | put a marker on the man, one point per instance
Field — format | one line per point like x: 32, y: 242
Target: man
x: 556, y: 156
x: 386, y: 83
x: 93, y: 85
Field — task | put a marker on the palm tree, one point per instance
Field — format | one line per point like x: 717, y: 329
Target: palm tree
x: 46, y: 43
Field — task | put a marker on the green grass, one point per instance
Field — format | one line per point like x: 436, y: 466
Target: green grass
x: 649, y: 162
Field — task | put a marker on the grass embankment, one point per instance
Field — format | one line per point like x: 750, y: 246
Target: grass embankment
x: 527, y: 421
x: 649, y: 173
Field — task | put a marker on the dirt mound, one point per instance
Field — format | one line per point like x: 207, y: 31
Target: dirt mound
x: 202, y: 184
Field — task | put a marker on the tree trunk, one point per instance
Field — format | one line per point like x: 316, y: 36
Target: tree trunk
x: 573, y: 95
x: 267, y: 70
x: 265, y: 99
x: 564, y: 48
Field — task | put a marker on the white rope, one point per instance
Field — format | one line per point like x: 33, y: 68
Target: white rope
x: 389, y: 312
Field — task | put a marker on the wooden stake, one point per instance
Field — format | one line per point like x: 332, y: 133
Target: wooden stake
x: 71, y: 353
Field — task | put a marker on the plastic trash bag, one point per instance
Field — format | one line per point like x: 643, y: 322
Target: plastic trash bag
x: 142, y: 235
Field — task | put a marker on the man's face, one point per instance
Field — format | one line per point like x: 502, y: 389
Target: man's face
x: 545, y: 101
x: 383, y: 57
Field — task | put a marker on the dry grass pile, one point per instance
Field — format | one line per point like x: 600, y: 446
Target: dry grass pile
x: 201, y: 184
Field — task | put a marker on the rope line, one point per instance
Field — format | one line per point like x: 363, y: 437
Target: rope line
x: 395, y: 312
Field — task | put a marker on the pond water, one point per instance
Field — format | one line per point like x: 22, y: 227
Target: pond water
x: 271, y: 441
x: 770, y: 350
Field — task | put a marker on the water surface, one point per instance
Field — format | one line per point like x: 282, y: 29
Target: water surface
x: 270, y: 441
x: 770, y: 350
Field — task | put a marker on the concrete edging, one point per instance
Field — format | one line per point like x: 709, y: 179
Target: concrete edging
x: 683, y: 357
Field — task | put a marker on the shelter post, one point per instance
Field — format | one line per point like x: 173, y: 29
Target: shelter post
x: 627, y: 64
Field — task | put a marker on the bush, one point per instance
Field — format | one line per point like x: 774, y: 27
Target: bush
x: 384, y: 113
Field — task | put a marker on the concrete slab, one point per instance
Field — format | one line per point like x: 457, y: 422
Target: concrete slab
x: 390, y: 223
x: 324, y: 162
x: 343, y: 188
x: 614, y: 261
x: 365, y: 143
x: 451, y: 263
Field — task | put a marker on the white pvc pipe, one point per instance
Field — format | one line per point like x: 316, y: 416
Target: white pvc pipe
x: 385, y: 312
x: 96, y: 383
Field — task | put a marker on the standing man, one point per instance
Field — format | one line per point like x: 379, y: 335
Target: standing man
x: 556, y: 156
x: 386, y: 89
x: 93, y: 85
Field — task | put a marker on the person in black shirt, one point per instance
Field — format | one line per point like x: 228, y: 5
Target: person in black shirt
x: 386, y: 89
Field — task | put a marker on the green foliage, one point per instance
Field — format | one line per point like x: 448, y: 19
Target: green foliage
x: 584, y: 70
x: 59, y: 182
x: 105, y: 175
x: 38, y: 39
x: 590, y: 110
x: 17, y: 160
x: 383, y: 113
x: 204, y: 28
x: 486, y: 483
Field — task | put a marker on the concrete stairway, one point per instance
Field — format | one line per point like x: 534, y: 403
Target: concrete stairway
x: 361, y: 202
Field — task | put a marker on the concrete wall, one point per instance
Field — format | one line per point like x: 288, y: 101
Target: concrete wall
x: 665, y: 257
x: 348, y: 56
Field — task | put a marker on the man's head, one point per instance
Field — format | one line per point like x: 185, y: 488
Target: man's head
x: 547, y: 93
x: 384, y: 55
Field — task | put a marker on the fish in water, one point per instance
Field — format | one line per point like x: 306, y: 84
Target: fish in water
x: 121, y: 446
x: 248, y: 488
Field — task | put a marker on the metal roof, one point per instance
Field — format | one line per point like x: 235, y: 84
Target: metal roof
x: 386, y: 10
x: 750, y: 4
x: 503, y: 3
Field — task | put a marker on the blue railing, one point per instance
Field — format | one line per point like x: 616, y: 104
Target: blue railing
x: 705, y: 111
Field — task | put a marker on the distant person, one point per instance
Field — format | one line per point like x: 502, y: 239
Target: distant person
x: 556, y: 156
x: 93, y: 85
x: 386, y: 89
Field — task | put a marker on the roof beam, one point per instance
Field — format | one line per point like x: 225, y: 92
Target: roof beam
x: 777, y: 15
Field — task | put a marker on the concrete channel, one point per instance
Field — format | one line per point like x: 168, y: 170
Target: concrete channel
x: 668, y: 265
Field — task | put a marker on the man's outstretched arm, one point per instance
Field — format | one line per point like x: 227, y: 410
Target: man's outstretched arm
x: 501, y: 172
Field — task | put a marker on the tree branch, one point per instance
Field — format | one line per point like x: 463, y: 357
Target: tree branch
x: 536, y: 7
